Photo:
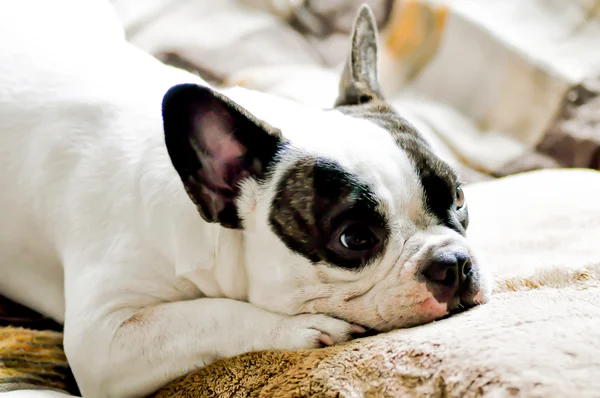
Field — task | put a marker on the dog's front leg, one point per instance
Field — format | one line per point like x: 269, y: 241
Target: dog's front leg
x: 115, y: 350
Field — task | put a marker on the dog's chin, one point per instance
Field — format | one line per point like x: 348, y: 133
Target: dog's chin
x: 431, y: 309
x: 427, y: 311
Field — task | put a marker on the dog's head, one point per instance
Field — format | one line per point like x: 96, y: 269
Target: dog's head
x: 344, y: 211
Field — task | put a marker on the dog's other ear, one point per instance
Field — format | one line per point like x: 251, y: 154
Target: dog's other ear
x: 214, y: 144
x: 359, y: 83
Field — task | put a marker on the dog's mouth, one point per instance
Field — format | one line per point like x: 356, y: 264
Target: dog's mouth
x: 459, y: 308
x: 462, y: 302
x: 459, y: 304
x: 369, y: 332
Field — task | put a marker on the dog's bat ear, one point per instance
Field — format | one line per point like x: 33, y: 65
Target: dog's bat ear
x: 359, y: 83
x: 214, y: 144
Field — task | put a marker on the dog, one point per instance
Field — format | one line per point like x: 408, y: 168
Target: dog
x: 169, y: 224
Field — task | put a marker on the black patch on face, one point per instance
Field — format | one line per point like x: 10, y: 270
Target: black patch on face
x: 438, y: 180
x: 315, y: 200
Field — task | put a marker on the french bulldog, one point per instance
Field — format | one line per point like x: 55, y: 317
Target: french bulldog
x: 169, y: 224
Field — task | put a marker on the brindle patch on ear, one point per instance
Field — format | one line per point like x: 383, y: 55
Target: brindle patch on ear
x: 314, y: 199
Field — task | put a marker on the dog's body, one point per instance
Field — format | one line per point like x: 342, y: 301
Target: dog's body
x: 98, y: 232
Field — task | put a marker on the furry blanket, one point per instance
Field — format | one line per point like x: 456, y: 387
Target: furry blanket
x: 538, y: 336
x: 33, y: 360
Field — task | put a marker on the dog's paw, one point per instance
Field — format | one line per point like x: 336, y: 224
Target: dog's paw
x: 312, y: 331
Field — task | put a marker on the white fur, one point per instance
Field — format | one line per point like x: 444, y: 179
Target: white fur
x: 97, y: 231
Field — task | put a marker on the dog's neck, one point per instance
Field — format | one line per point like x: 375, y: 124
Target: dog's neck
x: 172, y: 224
x: 166, y: 215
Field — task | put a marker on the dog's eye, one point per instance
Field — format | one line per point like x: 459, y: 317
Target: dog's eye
x: 355, y: 243
x: 358, y: 237
x: 460, y: 198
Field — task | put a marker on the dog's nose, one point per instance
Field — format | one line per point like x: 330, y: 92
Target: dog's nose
x: 448, y: 269
x: 446, y: 273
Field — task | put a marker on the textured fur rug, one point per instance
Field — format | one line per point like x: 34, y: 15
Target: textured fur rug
x: 33, y: 359
x: 538, y: 337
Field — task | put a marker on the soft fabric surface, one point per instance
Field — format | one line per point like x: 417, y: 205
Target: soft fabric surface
x: 538, y: 337
x: 31, y: 352
x: 33, y: 359
x: 574, y: 138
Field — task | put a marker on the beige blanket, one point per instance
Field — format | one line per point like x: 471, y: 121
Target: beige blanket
x: 538, y: 337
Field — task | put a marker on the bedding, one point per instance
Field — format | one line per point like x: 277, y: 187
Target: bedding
x: 537, y: 338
